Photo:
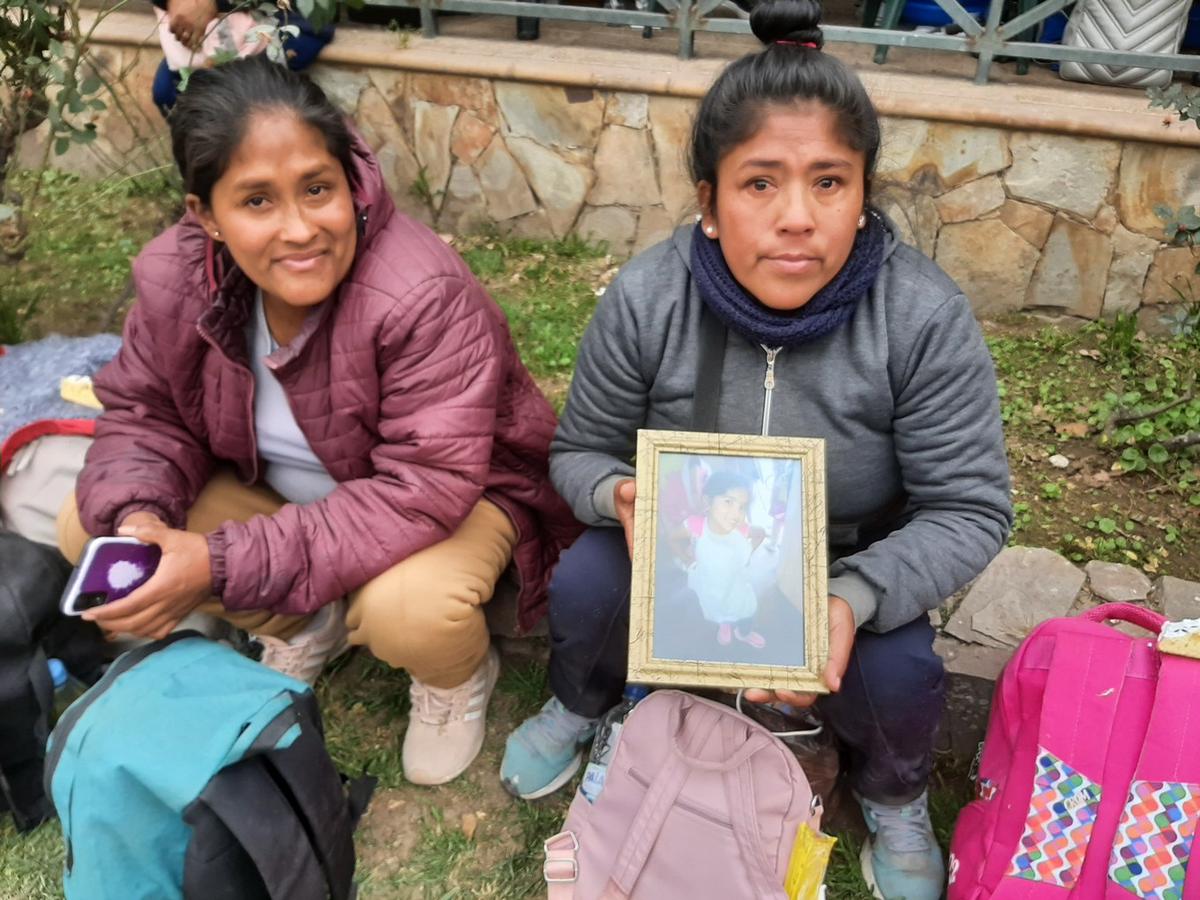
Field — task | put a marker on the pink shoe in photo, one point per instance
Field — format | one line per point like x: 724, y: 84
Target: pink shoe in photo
x: 753, y: 638
x: 724, y: 633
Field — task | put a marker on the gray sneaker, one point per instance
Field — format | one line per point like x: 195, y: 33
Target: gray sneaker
x: 902, y: 858
x: 545, y: 751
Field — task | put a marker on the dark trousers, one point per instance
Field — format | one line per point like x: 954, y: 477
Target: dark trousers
x: 301, y: 50
x: 885, y: 714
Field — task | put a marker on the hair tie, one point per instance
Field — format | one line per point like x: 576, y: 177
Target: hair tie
x: 810, y: 44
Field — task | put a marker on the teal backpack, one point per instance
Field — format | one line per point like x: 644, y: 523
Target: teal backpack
x: 189, y: 771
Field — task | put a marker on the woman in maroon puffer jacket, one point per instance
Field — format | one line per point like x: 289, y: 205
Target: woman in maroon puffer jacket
x: 318, y: 414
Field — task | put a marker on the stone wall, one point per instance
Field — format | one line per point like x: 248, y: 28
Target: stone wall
x: 1024, y: 220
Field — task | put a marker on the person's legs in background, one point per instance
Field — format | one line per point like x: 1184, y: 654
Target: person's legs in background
x: 425, y: 614
x: 301, y: 51
x: 165, y: 89
x: 886, y: 715
x: 589, y: 634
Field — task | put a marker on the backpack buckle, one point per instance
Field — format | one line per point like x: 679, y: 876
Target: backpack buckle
x: 561, y: 866
x: 553, y: 871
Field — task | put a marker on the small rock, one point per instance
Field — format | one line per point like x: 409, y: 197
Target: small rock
x: 1116, y: 583
x: 935, y: 618
x: 1178, y: 599
x: 1059, y: 461
x: 1021, y: 588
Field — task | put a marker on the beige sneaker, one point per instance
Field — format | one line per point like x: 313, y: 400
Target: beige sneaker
x: 446, y: 725
x: 305, y: 655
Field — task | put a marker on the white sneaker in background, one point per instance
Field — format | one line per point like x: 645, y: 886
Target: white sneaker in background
x: 304, y: 656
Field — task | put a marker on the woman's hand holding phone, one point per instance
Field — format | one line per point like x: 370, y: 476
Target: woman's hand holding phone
x: 181, y: 582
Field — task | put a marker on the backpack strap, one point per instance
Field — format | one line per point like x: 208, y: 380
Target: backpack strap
x: 656, y: 806
x: 739, y: 794
x: 267, y: 837
x: 312, y: 811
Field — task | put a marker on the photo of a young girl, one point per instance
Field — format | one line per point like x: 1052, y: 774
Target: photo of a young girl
x: 722, y: 523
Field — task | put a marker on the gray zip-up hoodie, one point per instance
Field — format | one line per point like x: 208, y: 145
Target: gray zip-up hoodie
x: 904, y: 396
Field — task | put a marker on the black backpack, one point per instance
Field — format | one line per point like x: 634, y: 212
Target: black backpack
x: 32, y: 578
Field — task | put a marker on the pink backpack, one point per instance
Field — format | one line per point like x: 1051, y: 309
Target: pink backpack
x: 699, y: 801
x: 1089, y: 781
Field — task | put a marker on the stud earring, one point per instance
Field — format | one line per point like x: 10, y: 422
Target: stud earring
x: 862, y: 221
x: 710, y: 230
x: 216, y: 235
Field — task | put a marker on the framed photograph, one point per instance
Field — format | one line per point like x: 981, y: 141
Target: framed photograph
x: 729, y: 562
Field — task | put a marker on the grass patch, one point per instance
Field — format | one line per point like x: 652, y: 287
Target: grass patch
x: 1095, y: 421
x: 83, y: 236
x: 548, y: 290
x: 30, y: 864
x: 365, y: 704
x: 525, y: 683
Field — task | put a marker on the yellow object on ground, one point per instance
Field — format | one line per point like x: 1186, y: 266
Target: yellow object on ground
x: 78, y: 389
x: 1181, y: 638
x: 806, y: 869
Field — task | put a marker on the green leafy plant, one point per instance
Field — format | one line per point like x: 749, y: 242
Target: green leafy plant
x: 1185, y: 103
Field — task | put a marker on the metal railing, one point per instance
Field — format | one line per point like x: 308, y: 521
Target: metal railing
x: 987, y: 39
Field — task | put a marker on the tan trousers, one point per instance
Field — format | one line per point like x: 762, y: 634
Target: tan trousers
x: 424, y: 614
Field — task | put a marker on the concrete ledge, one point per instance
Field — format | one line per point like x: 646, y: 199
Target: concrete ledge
x: 1051, y: 106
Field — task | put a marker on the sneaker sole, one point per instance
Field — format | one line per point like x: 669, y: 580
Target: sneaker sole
x: 559, y: 780
x: 868, y: 870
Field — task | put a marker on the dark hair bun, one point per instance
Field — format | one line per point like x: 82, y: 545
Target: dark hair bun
x: 787, y: 20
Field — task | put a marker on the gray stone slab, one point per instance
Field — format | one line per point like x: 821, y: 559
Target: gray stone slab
x: 1022, y: 587
x: 1178, y: 599
x: 1117, y: 583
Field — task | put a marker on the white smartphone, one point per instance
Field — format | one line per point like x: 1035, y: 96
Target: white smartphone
x: 109, y: 569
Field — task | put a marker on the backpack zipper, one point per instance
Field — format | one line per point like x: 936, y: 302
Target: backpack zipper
x: 768, y: 386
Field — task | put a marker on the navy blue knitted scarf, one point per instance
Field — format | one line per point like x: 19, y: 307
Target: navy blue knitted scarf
x: 830, y: 308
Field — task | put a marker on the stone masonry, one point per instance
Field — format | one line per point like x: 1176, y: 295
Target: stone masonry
x: 1023, y: 220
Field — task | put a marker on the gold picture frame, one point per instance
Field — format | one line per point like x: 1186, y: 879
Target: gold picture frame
x: 695, y: 645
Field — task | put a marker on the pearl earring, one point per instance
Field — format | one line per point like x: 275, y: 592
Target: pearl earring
x: 862, y: 220
x: 709, y: 230
x: 216, y: 235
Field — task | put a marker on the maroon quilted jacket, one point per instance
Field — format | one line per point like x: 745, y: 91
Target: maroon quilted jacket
x: 407, y: 387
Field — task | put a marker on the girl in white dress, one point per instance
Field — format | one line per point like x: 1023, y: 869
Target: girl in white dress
x: 721, y: 576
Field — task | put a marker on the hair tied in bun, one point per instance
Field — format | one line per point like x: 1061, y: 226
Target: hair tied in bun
x: 812, y: 45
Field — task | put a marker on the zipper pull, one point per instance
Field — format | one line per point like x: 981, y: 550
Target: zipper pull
x: 769, y: 379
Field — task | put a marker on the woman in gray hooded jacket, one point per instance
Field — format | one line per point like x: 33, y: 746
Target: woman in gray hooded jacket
x: 829, y: 327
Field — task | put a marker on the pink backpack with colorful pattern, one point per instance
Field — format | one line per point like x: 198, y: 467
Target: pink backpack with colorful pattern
x: 1089, y: 780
